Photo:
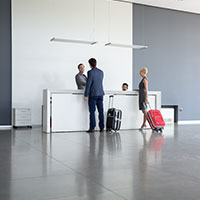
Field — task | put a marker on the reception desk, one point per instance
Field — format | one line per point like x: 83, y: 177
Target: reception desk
x: 66, y: 110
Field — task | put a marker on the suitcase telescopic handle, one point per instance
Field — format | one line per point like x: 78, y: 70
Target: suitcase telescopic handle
x: 149, y: 105
x: 111, y: 99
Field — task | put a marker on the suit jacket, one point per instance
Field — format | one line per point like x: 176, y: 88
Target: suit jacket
x: 94, y: 85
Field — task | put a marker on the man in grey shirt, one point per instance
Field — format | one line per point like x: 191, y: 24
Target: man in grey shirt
x: 81, y: 78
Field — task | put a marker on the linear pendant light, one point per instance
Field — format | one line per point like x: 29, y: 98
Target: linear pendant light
x: 124, y: 1
x: 93, y: 42
x: 134, y: 46
x: 73, y: 41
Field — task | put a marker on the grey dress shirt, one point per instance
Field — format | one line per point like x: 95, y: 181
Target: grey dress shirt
x: 81, y: 80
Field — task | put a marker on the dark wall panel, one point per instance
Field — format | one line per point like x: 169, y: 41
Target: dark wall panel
x: 5, y: 62
x: 173, y: 56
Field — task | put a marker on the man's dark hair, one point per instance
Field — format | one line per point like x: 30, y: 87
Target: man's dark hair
x: 92, y: 62
x: 125, y: 84
x: 79, y: 65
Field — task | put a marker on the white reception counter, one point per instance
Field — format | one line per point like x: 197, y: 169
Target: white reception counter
x: 66, y: 110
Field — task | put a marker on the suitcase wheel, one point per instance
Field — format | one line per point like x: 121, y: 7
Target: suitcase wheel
x: 158, y: 130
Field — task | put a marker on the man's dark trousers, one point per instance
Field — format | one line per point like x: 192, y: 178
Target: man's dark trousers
x: 93, y: 102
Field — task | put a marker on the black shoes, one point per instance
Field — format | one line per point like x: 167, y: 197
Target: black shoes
x: 90, y: 131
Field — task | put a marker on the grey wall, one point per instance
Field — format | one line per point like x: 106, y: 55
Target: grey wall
x: 173, y: 57
x: 5, y: 62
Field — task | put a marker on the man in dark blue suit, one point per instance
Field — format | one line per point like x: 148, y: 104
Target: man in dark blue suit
x: 94, y: 94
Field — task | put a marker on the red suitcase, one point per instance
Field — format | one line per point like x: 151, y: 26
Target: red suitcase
x: 155, y: 119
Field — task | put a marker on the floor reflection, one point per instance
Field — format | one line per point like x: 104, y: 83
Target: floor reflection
x: 151, y: 153
x: 113, y: 141
x: 130, y: 164
x: 99, y: 145
x: 5, y: 163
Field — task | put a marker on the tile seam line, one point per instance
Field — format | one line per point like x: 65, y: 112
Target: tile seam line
x: 118, y: 156
x: 76, y: 171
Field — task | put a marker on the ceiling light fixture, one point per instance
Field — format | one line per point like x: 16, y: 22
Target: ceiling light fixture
x: 92, y: 42
x: 134, y: 46
x: 124, y: 1
x: 73, y: 41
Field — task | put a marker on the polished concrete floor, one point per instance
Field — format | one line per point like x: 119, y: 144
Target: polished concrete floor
x: 79, y: 166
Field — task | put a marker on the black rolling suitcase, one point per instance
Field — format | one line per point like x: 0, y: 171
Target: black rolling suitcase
x: 114, y: 116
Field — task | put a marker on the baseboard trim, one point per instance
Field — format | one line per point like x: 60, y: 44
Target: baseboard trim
x: 36, y: 126
x: 5, y: 127
x: 185, y: 122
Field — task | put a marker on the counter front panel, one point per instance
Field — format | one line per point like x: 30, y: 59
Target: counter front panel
x: 67, y: 111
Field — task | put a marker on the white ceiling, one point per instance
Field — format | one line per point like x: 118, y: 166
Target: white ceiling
x: 182, y: 5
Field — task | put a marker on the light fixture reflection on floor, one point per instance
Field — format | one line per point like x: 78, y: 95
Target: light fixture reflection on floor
x: 73, y: 41
x: 126, y: 45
